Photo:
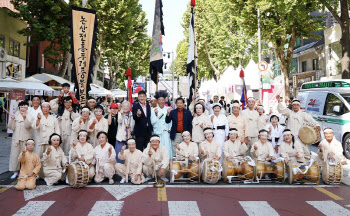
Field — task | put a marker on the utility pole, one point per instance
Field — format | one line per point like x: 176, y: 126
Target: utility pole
x: 259, y: 53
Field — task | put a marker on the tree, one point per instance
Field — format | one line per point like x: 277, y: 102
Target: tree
x: 220, y: 41
x: 282, y: 22
x: 47, y: 21
x: 340, y: 11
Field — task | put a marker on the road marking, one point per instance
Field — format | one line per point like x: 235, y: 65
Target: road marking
x: 107, y: 208
x: 329, y: 208
x: 36, y: 208
x: 328, y: 193
x: 162, y: 194
x: 6, y: 188
x: 257, y: 208
x: 120, y: 192
x: 41, y: 190
x: 183, y: 208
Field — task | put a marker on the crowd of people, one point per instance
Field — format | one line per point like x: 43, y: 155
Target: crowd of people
x: 138, y: 142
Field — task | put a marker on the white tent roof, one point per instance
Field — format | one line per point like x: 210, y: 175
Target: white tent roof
x: 44, y: 77
x: 7, y: 83
x: 118, y: 93
x: 251, y: 74
x: 97, y: 90
x: 29, y: 84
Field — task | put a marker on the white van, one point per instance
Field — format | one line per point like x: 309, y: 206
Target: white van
x: 329, y: 104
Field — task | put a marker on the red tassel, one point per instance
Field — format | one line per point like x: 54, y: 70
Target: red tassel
x: 241, y: 73
x: 128, y: 72
x: 193, y: 3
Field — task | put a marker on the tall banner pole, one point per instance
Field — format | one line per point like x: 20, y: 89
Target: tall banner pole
x: 195, y: 52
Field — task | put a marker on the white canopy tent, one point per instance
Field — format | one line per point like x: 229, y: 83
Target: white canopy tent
x: 29, y: 84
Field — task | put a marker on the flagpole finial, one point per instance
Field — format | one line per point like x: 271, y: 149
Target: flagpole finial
x: 128, y: 72
x: 241, y: 73
x: 193, y: 3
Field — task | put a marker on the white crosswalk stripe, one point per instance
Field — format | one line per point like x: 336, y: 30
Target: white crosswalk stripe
x: 329, y: 208
x: 34, y: 208
x: 257, y: 208
x: 183, y: 208
x: 107, y: 208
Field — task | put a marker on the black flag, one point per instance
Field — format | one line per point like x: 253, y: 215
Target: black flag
x: 191, y: 58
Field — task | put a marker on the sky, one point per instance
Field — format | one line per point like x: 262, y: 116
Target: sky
x: 173, y: 11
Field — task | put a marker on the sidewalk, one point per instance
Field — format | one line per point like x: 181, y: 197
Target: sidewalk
x: 5, y: 148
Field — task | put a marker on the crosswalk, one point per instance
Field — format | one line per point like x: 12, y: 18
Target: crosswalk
x: 184, y: 208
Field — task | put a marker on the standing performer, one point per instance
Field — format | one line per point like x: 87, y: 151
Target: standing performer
x: 91, y: 104
x: 251, y: 117
x: 291, y: 149
x: 65, y: 123
x: 181, y: 120
x: 112, y: 119
x: 160, y: 127
x: 36, y: 108
x: 236, y: 120
x: 187, y: 149
x: 20, y: 123
x: 125, y: 128
x: 330, y: 148
x: 83, y: 151
x: 155, y: 160
x: 45, y: 125
x: 143, y: 129
x: 210, y: 148
x: 199, y: 122
x: 262, y: 149
x: 275, y: 131
x: 97, y: 124
x: 80, y: 123
x: 55, y: 162
x: 104, y: 158
x: 133, y: 164
x: 30, y: 167
x: 263, y: 119
x: 234, y: 147
x: 220, y: 126
x: 296, y: 118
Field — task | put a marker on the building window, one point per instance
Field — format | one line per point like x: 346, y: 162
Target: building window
x: 315, y: 65
x: 2, y: 41
x: 303, y: 66
x: 14, y: 48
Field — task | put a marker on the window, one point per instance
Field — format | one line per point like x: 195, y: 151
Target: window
x: 14, y: 48
x: 303, y: 66
x: 2, y: 41
x: 315, y: 65
x: 333, y: 101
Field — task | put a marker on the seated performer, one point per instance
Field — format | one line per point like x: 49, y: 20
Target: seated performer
x: 210, y: 148
x: 55, y: 163
x: 155, y: 159
x: 234, y: 147
x: 83, y: 151
x: 187, y: 149
x: 330, y: 148
x: 291, y: 149
x: 132, y: 168
x: 30, y: 167
x: 104, y: 158
x: 262, y: 149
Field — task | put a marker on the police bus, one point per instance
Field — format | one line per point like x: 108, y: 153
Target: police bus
x: 329, y: 104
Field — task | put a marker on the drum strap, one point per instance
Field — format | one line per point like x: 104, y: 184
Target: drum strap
x: 297, y: 169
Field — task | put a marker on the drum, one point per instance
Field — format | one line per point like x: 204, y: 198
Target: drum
x: 309, y: 134
x: 276, y: 169
x: 78, y: 174
x: 311, y: 174
x: 194, y: 170
x: 211, y: 171
x: 176, y: 169
x: 332, y: 173
x: 238, y: 168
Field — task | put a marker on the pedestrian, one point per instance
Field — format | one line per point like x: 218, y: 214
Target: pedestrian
x: 181, y: 120
x: 143, y: 129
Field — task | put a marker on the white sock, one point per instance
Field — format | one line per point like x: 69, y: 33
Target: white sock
x: 15, y: 174
x: 147, y: 179
x: 122, y: 181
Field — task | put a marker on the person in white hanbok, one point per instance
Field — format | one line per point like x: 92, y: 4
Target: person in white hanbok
x: 97, y: 124
x: 220, y: 127
x: 251, y: 117
x: 80, y: 123
x: 160, y: 127
x: 330, y: 148
x: 263, y: 119
x: 275, y: 131
x: 199, y: 122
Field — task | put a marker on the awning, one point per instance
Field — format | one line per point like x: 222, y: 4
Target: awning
x: 8, y: 84
x: 44, y: 77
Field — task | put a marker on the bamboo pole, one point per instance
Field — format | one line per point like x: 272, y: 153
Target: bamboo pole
x: 195, y: 57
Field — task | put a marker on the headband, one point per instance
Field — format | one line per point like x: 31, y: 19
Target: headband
x: 23, y: 105
x: 131, y: 141
x: 287, y: 133
x: 233, y: 131
x: 200, y: 105
x: 90, y: 100
x: 208, y: 131
x: 251, y: 98
x: 45, y: 104
x: 328, y: 130
x: 81, y: 132
x: 186, y: 133
x: 236, y: 105
x: 155, y: 138
x: 217, y: 104
x: 55, y: 136
x: 85, y: 109
x: 263, y: 133
x: 296, y: 102
x: 30, y: 141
